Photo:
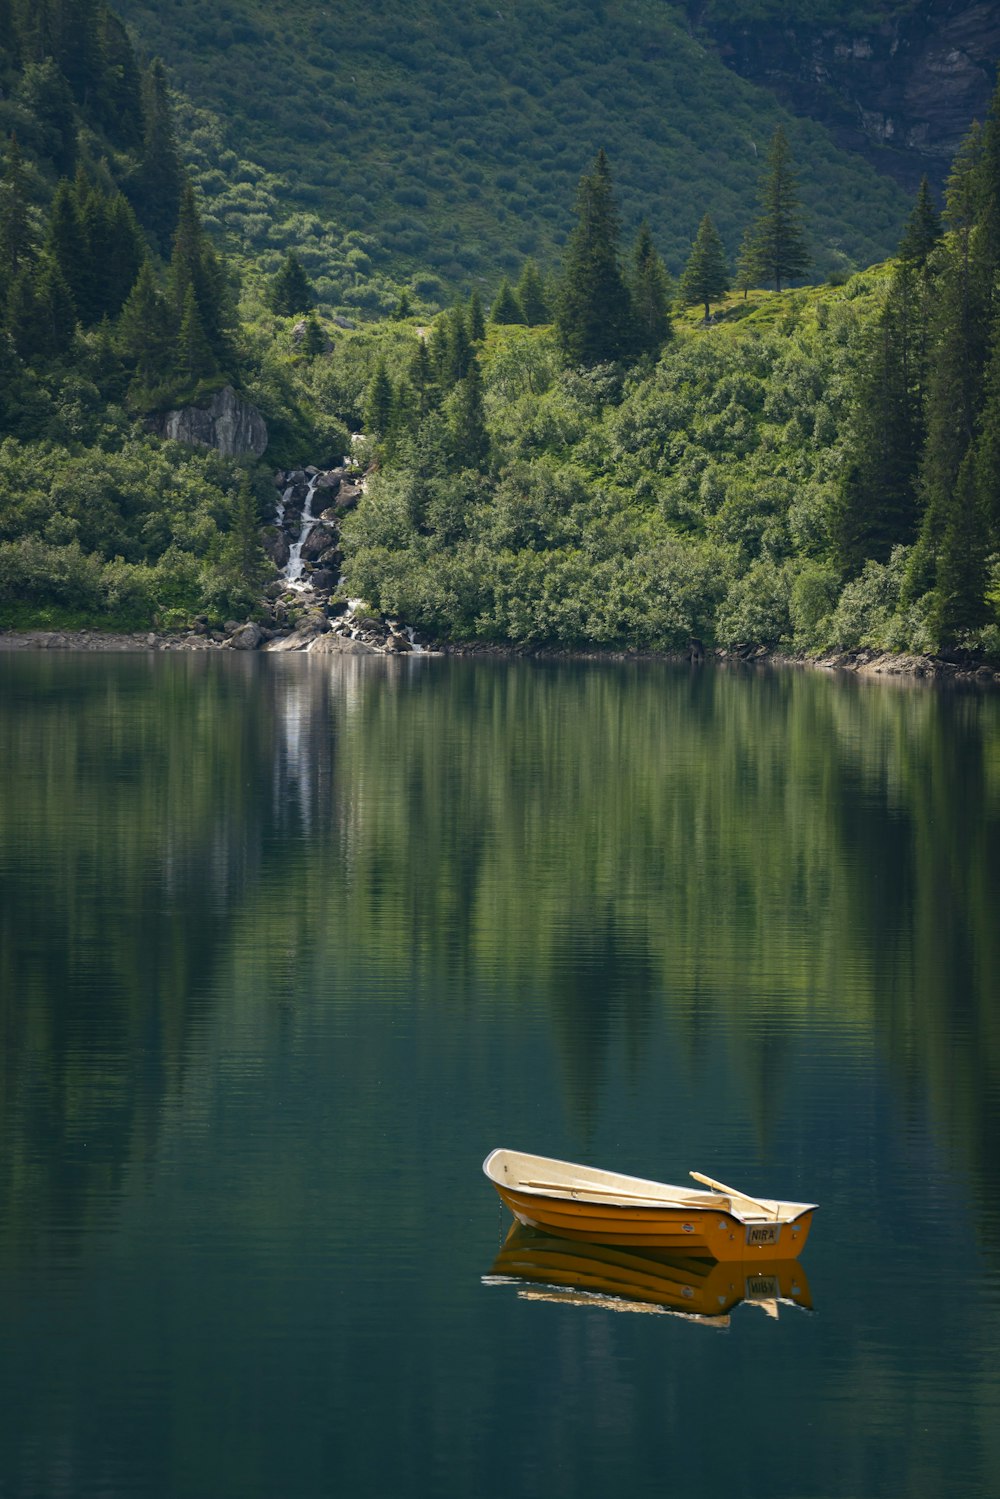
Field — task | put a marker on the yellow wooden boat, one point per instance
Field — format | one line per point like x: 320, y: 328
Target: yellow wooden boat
x: 643, y: 1280
x: 604, y: 1207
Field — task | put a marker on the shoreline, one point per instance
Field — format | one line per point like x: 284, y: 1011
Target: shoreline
x: 870, y: 663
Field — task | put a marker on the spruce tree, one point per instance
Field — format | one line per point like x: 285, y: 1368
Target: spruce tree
x: 706, y: 276
x: 194, y: 361
x: 747, y: 265
x: 475, y: 321
x: 17, y: 234
x: 877, y: 504
x: 120, y: 102
x: 155, y: 190
x: 779, y: 242
x: 44, y: 91
x: 459, y: 353
x: 530, y: 294
x: 594, y: 312
x: 402, y: 309
x: 145, y: 336
x: 66, y: 243
x: 651, y: 291
x: 378, y: 402
x: 420, y: 376
x: 958, y: 340
x: 57, y: 315
x: 923, y: 228
x: 290, y: 293
x: 506, y: 308
x: 469, y: 440
x: 194, y: 263
x: 313, y: 338
x: 960, y: 583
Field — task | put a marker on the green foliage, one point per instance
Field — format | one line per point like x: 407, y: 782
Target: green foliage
x: 461, y: 134
x: 125, y: 534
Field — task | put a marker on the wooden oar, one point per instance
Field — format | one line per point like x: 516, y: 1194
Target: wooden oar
x: 731, y: 1192
x: 614, y: 1194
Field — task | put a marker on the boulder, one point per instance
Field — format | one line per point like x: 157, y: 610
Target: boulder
x: 228, y: 423
x: 332, y: 645
x: 275, y: 544
x: 348, y: 495
x: 316, y: 543
x: 246, y: 637
x: 323, y: 579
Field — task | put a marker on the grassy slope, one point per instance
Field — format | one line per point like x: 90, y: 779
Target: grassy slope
x: 450, y: 136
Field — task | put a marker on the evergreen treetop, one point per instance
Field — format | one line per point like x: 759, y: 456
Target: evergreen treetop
x: 923, y: 227
x: 779, y: 243
x: 594, y: 312
x: 290, y: 292
x: 706, y: 275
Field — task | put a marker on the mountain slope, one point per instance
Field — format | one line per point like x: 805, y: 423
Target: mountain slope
x: 451, y: 136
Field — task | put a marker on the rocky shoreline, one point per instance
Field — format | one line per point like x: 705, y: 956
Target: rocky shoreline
x: 379, y: 637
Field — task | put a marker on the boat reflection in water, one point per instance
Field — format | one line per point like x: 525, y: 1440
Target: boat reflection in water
x: 546, y: 1268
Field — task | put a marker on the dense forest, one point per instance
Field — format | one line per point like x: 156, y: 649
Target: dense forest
x: 611, y: 440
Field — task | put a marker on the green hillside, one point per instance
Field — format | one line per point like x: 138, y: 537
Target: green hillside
x: 446, y: 139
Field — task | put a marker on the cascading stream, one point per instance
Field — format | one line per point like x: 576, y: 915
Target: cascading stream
x: 293, y: 573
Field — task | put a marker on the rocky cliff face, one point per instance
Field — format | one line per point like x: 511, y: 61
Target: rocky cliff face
x: 227, y: 423
x: 903, y: 93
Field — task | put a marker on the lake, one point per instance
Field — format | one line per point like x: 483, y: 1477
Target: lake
x: 288, y: 945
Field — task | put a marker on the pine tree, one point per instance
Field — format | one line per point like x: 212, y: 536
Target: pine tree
x: 923, y: 228
x: 17, y: 235
x: 475, y: 321
x: 77, y: 45
x: 116, y: 248
x: 155, y: 190
x: 877, y: 504
x: 958, y: 340
x: 290, y: 293
x: 194, y: 264
x: 313, y: 338
x: 748, y: 271
x: 120, y: 103
x: 44, y: 91
x: 651, y: 291
x: 706, y: 275
x: 530, y: 294
x: 960, y: 584
x: 459, y: 354
x: 66, y: 243
x: 420, y: 376
x: 506, y: 308
x: 594, y: 313
x: 779, y: 243
x: 145, y: 335
x: 469, y: 440
x: 194, y: 361
x: 402, y: 309
x: 378, y: 402
x: 56, y: 313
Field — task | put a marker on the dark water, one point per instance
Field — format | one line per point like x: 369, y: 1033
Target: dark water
x: 288, y: 946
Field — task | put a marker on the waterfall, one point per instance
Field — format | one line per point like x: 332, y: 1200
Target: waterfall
x: 294, y: 569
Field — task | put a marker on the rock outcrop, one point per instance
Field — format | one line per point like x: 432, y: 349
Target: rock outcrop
x: 902, y: 93
x: 227, y: 423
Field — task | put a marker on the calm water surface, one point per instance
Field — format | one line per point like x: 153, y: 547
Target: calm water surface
x: 289, y: 945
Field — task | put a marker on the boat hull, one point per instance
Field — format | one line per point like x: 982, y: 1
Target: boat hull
x: 692, y: 1231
